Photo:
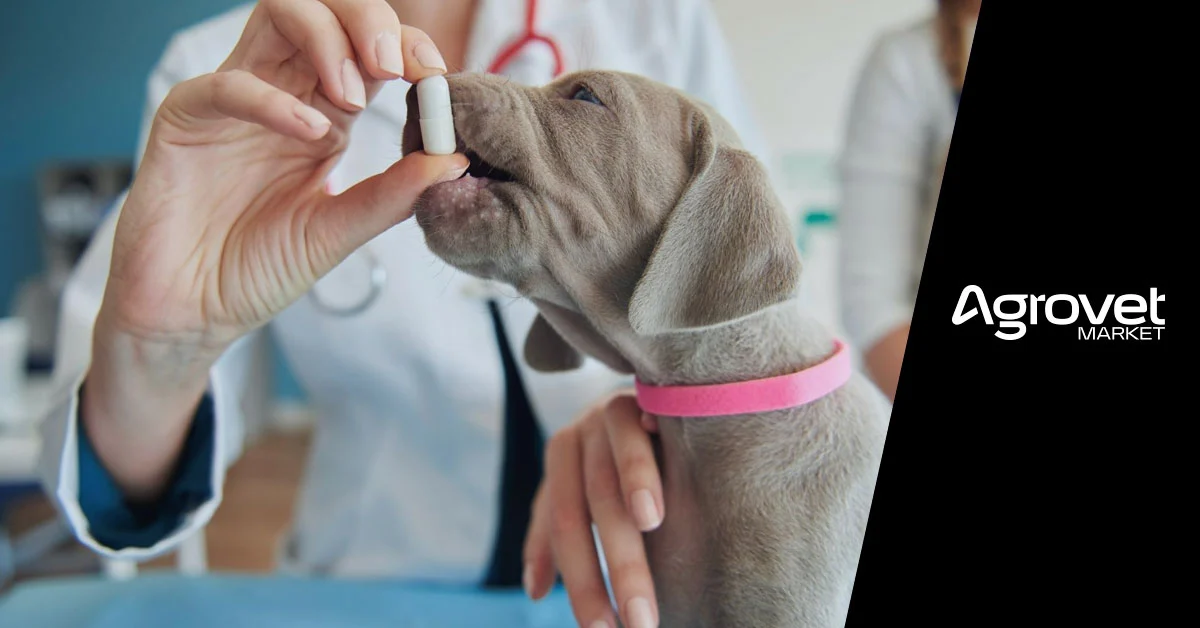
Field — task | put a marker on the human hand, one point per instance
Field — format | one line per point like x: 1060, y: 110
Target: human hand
x: 228, y: 220
x: 600, y: 469
x: 884, y: 359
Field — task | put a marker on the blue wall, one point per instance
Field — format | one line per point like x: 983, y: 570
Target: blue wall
x: 73, y: 86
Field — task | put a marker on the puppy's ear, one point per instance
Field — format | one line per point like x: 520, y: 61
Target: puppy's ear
x: 546, y: 351
x: 559, y: 338
x: 726, y: 251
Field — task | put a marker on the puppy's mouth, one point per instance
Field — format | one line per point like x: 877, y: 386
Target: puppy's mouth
x: 481, y: 168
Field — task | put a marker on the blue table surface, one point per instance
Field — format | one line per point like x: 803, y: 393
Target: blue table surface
x: 234, y: 601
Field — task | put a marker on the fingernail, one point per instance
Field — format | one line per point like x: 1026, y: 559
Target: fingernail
x: 452, y: 174
x: 353, y: 89
x: 600, y: 623
x: 388, y: 53
x: 527, y: 581
x: 460, y: 166
x: 640, y: 615
x: 429, y: 57
x: 313, y: 118
x: 645, y: 511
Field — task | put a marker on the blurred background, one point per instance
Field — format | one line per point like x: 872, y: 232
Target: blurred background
x: 73, y: 75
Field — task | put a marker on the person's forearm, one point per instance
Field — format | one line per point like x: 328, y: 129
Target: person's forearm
x: 137, y: 404
x: 884, y: 358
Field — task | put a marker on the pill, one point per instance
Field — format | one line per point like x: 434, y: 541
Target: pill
x: 437, y: 119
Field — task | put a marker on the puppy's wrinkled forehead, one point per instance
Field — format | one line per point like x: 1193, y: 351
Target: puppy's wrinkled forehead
x: 646, y: 99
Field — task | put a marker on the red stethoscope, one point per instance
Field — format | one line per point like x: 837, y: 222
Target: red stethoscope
x: 530, y: 36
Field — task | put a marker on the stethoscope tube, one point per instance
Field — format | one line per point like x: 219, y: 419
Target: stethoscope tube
x: 378, y: 277
x: 529, y: 36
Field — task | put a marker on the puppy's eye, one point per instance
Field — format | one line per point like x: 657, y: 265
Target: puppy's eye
x: 583, y: 93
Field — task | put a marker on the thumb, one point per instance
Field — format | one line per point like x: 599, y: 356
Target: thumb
x: 356, y: 216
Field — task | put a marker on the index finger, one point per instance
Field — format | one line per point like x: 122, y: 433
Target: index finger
x: 641, y: 483
x: 572, y: 542
x: 387, y: 48
x: 623, y: 548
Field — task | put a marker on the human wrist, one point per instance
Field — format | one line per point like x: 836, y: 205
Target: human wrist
x: 137, y: 402
x: 159, y: 365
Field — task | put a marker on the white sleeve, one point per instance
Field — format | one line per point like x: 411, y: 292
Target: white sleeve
x: 710, y: 73
x: 882, y: 179
x: 239, y: 382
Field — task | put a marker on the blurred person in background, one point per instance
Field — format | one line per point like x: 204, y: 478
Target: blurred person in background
x: 900, y: 122
x: 427, y: 453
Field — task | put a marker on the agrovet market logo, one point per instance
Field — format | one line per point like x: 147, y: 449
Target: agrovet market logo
x: 1136, y: 316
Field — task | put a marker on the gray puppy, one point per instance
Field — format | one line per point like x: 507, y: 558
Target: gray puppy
x: 647, y: 237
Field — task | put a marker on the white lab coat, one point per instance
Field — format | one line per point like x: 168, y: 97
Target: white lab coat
x: 405, y: 467
x: 899, y: 127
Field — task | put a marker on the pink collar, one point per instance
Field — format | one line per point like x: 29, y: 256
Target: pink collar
x: 760, y: 395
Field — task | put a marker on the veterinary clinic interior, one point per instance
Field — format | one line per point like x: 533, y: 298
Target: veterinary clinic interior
x: 283, y: 342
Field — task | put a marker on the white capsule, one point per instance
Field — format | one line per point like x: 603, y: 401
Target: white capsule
x: 437, y: 119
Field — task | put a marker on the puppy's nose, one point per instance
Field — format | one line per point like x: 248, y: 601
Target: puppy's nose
x: 480, y: 93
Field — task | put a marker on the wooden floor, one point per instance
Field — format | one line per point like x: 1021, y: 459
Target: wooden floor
x: 260, y: 491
